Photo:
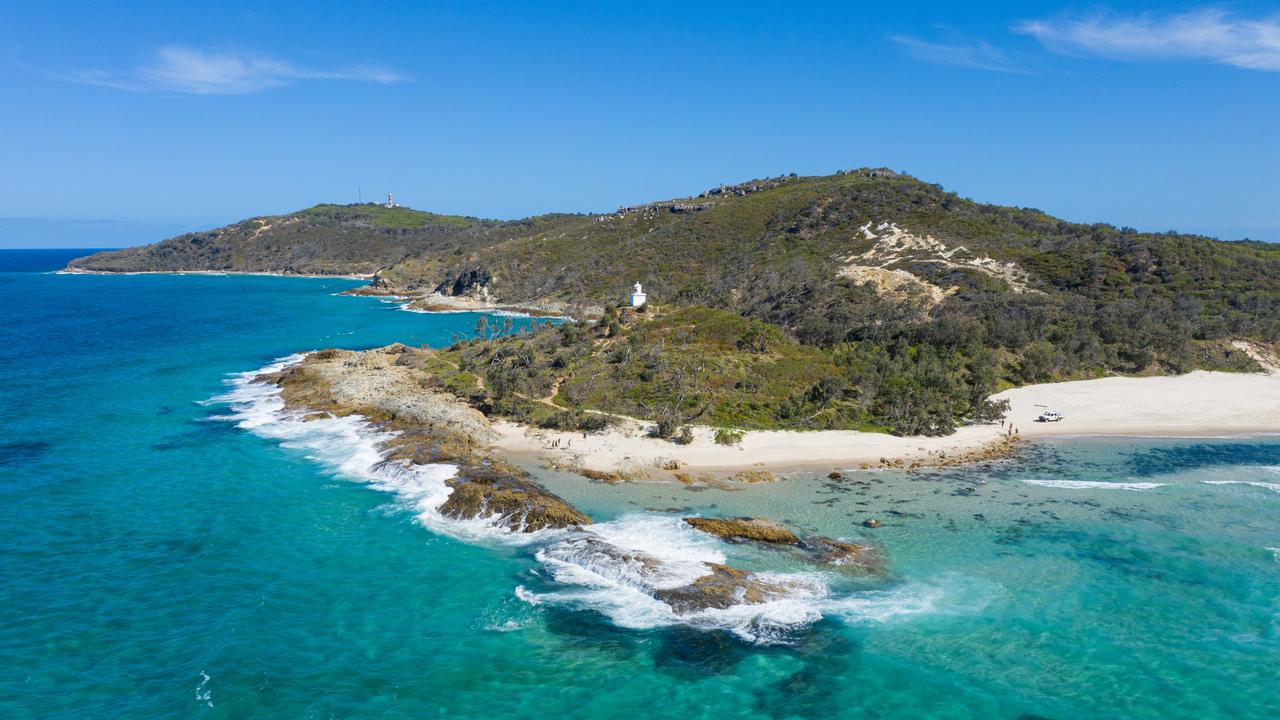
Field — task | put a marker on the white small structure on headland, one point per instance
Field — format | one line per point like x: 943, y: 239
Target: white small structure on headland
x: 638, y: 298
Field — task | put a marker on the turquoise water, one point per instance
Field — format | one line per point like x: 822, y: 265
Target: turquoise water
x: 158, y: 561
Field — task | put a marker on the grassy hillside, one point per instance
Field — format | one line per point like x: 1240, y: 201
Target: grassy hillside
x: 325, y: 239
x: 907, y: 301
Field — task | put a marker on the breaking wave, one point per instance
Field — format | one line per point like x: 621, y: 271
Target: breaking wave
x: 1095, y: 485
x: 615, y: 568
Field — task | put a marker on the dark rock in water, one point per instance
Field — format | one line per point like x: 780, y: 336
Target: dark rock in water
x: 485, y: 487
x: 835, y: 475
x: 846, y: 556
x: 756, y: 529
x: 871, y: 523
x: 482, y: 490
x: 721, y: 588
x: 694, y: 652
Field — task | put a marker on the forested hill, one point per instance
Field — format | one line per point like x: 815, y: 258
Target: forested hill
x: 860, y: 259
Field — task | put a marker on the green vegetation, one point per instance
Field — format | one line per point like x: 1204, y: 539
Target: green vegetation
x: 754, y: 321
x: 393, y: 217
x: 728, y: 436
x: 710, y: 367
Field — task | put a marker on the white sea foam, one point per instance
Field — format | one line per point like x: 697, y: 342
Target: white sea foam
x: 1275, y: 552
x: 879, y: 606
x: 1273, y: 487
x: 203, y: 693
x: 348, y: 446
x: 1095, y: 485
x: 613, y: 567
x: 408, y: 307
x: 610, y: 580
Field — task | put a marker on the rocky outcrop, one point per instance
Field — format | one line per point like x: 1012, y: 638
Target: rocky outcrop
x: 720, y: 588
x: 651, y: 208
x: 747, y: 188
x: 852, y: 557
x: 466, y: 282
x: 1002, y: 447
x: 737, y: 529
x: 524, y: 505
x: 389, y: 387
x: 754, y: 476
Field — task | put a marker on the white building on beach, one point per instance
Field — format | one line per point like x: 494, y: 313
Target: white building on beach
x: 638, y: 298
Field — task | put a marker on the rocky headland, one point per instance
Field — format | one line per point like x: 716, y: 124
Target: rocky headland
x: 389, y: 389
x: 393, y: 389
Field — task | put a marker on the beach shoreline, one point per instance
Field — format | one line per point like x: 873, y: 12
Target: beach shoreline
x: 1200, y: 404
x: 348, y: 276
x: 436, y: 303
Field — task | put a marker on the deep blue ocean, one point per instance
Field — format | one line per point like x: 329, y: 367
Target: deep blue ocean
x: 162, y: 556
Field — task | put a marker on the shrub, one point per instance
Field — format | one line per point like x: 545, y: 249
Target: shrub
x: 665, y: 426
x: 990, y: 410
x: 592, y: 422
x: 728, y: 436
x: 684, y: 436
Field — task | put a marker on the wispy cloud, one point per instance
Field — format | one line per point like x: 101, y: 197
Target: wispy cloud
x: 978, y: 55
x: 1211, y: 35
x: 182, y: 69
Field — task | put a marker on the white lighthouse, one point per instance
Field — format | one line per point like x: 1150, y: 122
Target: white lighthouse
x: 637, y: 296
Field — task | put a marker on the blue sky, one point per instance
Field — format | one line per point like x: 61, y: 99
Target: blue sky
x: 121, y: 123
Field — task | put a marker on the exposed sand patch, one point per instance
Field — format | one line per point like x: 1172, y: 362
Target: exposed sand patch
x: 896, y: 246
x: 1264, y: 356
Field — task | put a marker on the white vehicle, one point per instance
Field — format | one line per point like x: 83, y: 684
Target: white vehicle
x: 1051, y: 416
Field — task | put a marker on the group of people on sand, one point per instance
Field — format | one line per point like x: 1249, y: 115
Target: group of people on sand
x: 1011, y: 430
x: 555, y: 444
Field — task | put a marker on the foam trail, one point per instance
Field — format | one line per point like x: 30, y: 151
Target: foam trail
x: 1095, y: 485
x: 882, y: 606
x: 616, y: 567
x: 1273, y: 487
x: 203, y: 694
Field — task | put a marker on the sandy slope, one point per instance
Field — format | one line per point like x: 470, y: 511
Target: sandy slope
x: 1196, y: 404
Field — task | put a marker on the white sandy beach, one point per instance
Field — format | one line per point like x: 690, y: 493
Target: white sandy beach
x: 1198, y: 404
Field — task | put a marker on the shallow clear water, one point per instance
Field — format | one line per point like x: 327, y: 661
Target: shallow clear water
x: 156, y: 561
